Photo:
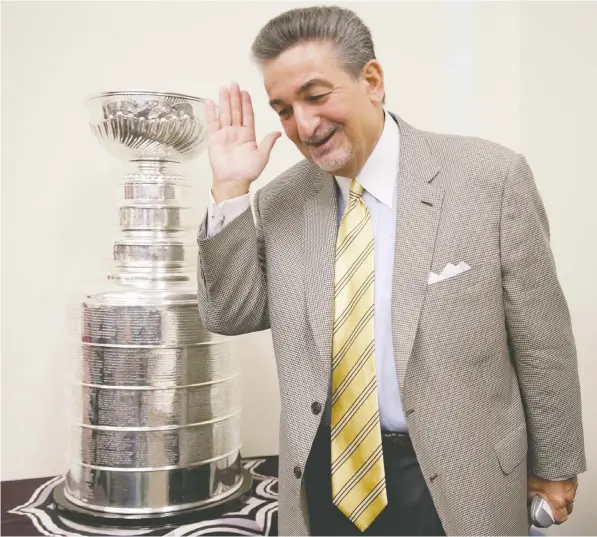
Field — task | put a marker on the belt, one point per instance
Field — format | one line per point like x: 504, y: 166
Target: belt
x: 394, y: 434
x: 395, y: 438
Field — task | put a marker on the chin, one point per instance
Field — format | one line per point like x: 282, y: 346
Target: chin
x: 334, y: 163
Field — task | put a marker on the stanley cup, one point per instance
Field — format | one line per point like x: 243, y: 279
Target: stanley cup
x: 156, y: 398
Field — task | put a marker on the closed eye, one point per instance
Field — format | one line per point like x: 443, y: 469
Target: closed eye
x: 285, y: 112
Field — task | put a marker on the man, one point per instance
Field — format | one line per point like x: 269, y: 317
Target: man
x: 426, y: 361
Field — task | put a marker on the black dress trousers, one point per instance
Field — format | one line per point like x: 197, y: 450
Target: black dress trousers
x: 410, y: 509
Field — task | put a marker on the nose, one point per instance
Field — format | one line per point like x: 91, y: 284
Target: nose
x: 306, y: 123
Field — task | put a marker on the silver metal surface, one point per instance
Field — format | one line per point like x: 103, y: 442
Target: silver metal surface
x: 118, y: 407
x: 541, y: 513
x: 155, y: 397
x: 152, y: 126
x: 160, y: 491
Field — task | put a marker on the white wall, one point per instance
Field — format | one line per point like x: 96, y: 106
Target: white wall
x: 558, y: 135
x: 522, y: 75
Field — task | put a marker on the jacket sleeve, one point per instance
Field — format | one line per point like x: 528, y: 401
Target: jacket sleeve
x: 539, y: 331
x: 231, y: 281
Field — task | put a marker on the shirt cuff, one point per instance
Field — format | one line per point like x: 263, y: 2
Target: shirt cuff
x: 219, y: 215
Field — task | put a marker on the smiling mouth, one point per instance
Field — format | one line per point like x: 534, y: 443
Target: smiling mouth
x: 324, y: 141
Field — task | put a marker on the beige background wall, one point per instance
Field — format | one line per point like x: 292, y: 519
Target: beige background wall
x: 524, y: 75
x: 558, y: 118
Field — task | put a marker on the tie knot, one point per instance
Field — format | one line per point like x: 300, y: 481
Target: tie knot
x: 356, y: 190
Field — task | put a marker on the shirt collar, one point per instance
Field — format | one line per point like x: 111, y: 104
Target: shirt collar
x: 378, y: 176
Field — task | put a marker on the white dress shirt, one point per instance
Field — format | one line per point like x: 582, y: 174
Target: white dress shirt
x: 378, y: 177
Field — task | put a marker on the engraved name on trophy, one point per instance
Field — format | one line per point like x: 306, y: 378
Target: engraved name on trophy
x: 154, y: 428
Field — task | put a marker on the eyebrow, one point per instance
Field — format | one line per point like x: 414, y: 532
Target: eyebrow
x: 304, y: 87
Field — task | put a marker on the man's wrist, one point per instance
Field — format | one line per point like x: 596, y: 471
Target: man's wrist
x: 228, y: 191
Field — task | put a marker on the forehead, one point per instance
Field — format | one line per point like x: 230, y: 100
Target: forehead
x: 284, y: 76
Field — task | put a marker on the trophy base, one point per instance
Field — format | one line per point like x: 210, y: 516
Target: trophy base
x: 152, y: 520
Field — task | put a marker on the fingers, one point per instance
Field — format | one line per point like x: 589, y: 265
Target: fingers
x: 211, y: 117
x: 225, y: 113
x: 267, y: 143
x: 235, y: 105
x: 562, y: 508
x: 247, y: 108
x: 561, y: 514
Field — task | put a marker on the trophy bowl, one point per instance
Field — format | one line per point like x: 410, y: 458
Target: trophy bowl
x: 145, y: 125
x: 155, y: 397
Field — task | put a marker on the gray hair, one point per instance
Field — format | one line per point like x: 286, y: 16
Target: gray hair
x: 340, y: 26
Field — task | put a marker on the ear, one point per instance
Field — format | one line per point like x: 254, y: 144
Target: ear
x: 374, y: 81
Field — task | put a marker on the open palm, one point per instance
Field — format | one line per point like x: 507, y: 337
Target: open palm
x: 234, y: 155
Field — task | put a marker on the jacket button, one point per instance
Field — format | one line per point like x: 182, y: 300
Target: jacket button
x: 297, y: 472
x: 433, y: 478
x: 316, y: 408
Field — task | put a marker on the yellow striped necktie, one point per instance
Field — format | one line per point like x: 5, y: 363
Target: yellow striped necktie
x: 358, y: 476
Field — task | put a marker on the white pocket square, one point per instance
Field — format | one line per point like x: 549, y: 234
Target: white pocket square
x: 449, y: 271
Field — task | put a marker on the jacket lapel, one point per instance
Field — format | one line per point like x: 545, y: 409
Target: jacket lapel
x: 419, y: 204
x: 319, y: 247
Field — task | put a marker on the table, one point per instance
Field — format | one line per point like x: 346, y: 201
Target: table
x: 28, y: 509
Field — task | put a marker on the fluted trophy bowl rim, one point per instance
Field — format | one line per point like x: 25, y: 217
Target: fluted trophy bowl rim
x: 171, y: 129
x: 147, y: 93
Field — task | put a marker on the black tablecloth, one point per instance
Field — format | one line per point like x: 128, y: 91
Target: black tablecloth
x: 28, y: 509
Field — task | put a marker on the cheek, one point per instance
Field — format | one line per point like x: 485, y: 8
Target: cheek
x: 349, y: 119
x: 343, y: 104
x: 336, y: 113
x: 350, y: 137
x: 289, y: 127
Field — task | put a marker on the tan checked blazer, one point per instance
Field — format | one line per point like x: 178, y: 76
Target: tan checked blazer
x: 486, y: 360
